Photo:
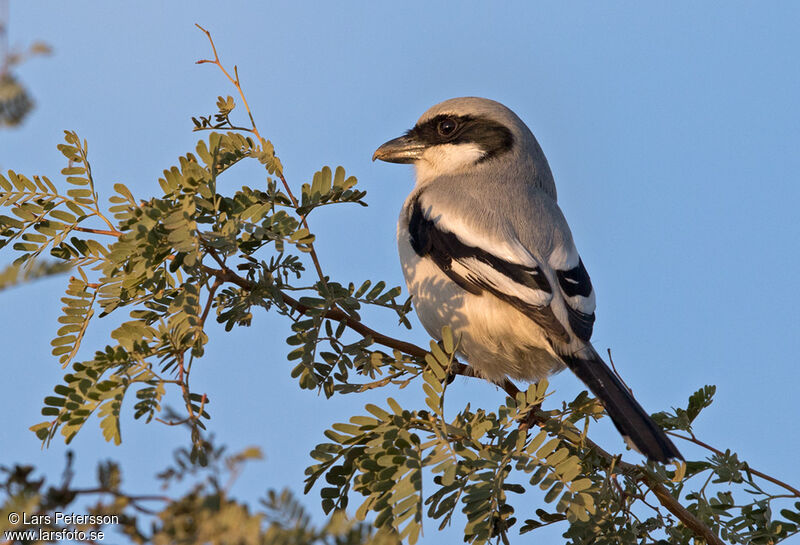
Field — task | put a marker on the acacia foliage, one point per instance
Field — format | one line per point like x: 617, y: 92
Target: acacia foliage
x: 171, y: 259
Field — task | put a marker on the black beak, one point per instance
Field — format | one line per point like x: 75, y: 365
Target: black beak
x: 400, y: 150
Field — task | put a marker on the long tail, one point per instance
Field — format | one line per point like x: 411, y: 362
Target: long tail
x: 635, y: 425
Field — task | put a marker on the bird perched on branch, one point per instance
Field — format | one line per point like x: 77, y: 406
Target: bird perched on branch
x: 486, y: 250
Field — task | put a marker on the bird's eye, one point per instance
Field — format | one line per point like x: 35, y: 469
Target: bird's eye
x: 446, y: 127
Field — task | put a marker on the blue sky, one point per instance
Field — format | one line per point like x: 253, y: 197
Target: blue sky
x: 672, y: 130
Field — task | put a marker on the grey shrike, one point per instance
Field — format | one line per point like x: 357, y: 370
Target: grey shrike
x: 486, y: 250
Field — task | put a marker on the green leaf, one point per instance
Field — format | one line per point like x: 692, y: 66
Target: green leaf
x: 547, y: 448
x: 447, y: 340
x: 699, y: 400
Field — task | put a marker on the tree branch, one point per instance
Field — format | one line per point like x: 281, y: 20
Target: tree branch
x: 674, y: 506
x: 224, y: 274
x: 664, y: 497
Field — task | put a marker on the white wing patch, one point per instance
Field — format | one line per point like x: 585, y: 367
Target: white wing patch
x: 564, y: 258
x: 482, y: 272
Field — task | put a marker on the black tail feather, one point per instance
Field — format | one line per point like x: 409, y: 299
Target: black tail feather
x: 628, y: 416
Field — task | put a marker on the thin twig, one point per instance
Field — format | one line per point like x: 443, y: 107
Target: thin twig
x: 133, y: 499
x: 183, y: 378
x: 755, y: 472
x: 261, y: 140
x: 614, y: 368
x: 211, y: 292
x: 119, y: 494
x: 172, y: 422
x: 113, y: 233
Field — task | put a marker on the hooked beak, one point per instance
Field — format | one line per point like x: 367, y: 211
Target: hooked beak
x: 405, y: 149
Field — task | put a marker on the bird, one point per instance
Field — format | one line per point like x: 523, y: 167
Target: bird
x: 486, y: 250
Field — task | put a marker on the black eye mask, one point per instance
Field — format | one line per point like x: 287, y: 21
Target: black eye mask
x: 492, y: 137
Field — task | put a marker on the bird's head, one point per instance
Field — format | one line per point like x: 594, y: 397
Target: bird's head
x: 463, y: 135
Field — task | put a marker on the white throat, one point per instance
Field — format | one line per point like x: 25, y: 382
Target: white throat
x: 446, y: 159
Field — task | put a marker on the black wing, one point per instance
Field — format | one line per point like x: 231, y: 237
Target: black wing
x: 577, y: 288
